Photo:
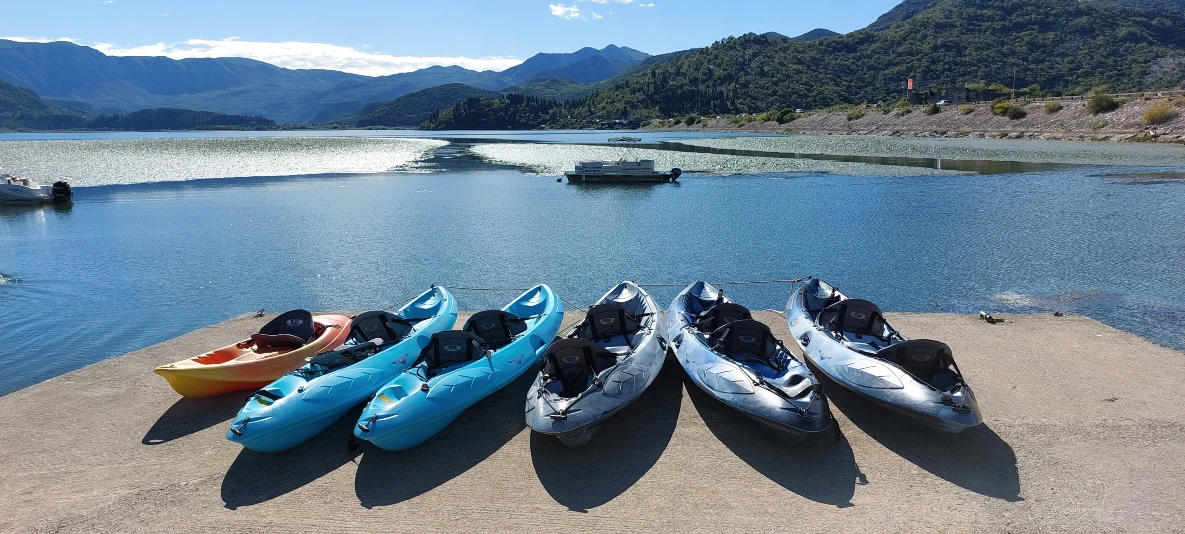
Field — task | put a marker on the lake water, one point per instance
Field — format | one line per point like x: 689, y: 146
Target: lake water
x: 355, y: 222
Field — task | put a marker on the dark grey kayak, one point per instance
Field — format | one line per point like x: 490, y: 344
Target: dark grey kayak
x: 598, y: 367
x: 849, y: 341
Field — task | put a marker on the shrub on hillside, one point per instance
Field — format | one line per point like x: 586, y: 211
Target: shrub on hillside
x: 1159, y: 113
x: 690, y: 120
x: 856, y: 114
x: 1016, y: 112
x: 931, y: 109
x: 901, y: 112
x: 1053, y: 107
x: 1098, y: 124
x: 1001, y: 107
x: 1101, y: 104
x: 966, y: 110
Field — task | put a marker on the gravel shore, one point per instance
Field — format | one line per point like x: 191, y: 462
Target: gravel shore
x: 1073, y: 122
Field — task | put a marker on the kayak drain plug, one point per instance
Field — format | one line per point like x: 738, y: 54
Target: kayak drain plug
x: 424, y: 386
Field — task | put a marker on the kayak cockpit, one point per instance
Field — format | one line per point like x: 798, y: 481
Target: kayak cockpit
x: 861, y: 326
x: 370, y: 333
x: 609, y: 333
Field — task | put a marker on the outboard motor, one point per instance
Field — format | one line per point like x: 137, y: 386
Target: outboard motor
x: 675, y: 173
x: 61, y: 192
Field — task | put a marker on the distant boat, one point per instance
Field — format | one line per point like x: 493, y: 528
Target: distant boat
x: 624, y: 170
x: 21, y: 190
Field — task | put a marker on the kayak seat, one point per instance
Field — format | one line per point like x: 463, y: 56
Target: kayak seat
x: 855, y: 316
x: 379, y: 325
x: 608, y: 320
x: 335, y: 359
x: 573, y: 362
x: 452, y: 347
x: 720, y: 315
x: 288, y: 330
x: 496, y: 327
x: 927, y: 360
x: 746, y: 339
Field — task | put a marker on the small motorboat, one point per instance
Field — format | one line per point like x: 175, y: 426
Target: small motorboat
x: 600, y: 366
x: 22, y: 191
x: 458, y: 368
x: 849, y: 341
x: 283, y: 344
x: 306, y: 401
x: 737, y: 360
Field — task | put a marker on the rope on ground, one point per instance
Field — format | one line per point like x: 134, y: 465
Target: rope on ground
x: 459, y: 288
x: 737, y: 283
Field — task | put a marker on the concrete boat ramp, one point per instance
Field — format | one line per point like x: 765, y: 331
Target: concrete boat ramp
x: 1084, y: 432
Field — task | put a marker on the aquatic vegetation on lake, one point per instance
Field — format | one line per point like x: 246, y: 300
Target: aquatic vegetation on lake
x: 93, y: 162
x: 554, y: 159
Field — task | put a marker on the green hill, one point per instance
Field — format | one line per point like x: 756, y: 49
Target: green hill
x: 22, y: 109
x: 1060, y: 45
x: 176, y: 119
x: 414, y: 108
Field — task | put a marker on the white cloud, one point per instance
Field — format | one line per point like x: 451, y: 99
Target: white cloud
x: 294, y: 55
x: 595, y: 15
x: 565, y: 12
x: 39, y: 39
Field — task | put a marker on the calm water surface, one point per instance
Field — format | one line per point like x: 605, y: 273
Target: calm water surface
x: 132, y: 265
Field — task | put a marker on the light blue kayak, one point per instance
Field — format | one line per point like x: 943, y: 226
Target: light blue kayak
x: 458, y: 368
x: 308, y: 400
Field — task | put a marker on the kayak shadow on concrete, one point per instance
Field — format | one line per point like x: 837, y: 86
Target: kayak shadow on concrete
x: 190, y: 415
x: 820, y: 468
x: 976, y: 459
x: 257, y: 477
x: 391, y: 477
x: 621, y: 452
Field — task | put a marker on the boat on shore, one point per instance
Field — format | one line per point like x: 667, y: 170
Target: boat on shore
x: 17, y: 190
x: 624, y: 170
x: 849, y: 341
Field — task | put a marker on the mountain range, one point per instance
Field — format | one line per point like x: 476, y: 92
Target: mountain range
x: 86, y: 80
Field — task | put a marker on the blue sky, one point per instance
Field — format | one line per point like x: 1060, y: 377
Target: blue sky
x: 376, y: 37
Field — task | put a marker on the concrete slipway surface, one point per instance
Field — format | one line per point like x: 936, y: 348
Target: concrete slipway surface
x: 1084, y: 432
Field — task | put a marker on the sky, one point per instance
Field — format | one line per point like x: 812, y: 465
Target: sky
x: 379, y: 37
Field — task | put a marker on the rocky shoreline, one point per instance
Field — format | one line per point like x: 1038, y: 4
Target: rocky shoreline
x: 1073, y: 122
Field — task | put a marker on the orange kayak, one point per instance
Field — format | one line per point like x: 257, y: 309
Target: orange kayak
x: 279, y: 347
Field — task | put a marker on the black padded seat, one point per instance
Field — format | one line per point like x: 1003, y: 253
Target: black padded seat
x: 328, y: 361
x: 496, y: 327
x: 746, y: 338
x: 930, y: 361
x: 452, y: 347
x: 855, y: 316
x: 290, y: 330
x: 608, y: 320
x: 573, y: 361
x: 379, y: 325
x: 720, y: 315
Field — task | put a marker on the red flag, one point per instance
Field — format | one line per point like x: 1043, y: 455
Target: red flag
x: 910, y: 84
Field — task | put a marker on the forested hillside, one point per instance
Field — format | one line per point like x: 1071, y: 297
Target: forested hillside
x: 1060, y: 45
x: 22, y: 109
x: 176, y: 119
